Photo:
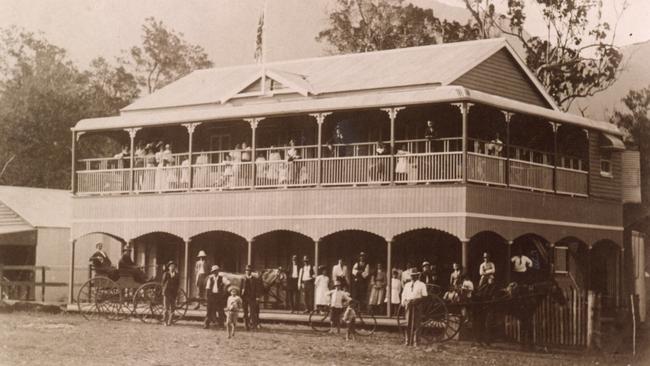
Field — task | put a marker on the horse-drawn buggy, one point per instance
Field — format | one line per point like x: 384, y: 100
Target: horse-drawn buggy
x: 442, y: 317
x: 116, y: 294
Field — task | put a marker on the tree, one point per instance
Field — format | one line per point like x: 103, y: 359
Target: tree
x: 575, y: 58
x: 42, y: 95
x: 163, y: 57
x: 372, y: 25
x: 636, y: 123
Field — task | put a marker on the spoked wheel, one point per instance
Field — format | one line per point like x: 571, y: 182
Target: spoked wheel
x: 400, y: 317
x: 320, y: 320
x: 148, y: 302
x: 180, y: 308
x: 99, y: 297
x: 365, y: 324
x: 434, y: 322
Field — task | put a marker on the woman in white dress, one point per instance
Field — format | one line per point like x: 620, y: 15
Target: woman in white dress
x: 321, y: 287
x: 401, y: 166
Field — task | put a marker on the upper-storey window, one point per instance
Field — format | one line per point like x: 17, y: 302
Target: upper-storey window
x: 606, y: 163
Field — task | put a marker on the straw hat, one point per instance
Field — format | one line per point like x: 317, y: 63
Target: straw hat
x: 214, y: 268
x: 201, y: 254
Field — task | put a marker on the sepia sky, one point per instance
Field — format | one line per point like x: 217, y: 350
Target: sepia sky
x: 225, y: 28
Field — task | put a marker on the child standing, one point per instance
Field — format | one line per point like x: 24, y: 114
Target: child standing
x: 170, y: 285
x: 350, y: 317
x: 338, y: 297
x: 322, y: 288
x: 233, y: 306
x: 395, y: 291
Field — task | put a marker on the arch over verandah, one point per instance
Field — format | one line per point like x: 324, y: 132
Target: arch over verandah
x: 226, y: 249
x: 153, y: 250
x: 274, y: 249
x: 347, y: 244
x: 498, y: 248
x: 538, y: 249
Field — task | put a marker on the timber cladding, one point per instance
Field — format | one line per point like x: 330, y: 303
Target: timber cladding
x: 603, y: 186
x: 500, y: 75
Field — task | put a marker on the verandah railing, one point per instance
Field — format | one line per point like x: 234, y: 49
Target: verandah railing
x: 416, y: 161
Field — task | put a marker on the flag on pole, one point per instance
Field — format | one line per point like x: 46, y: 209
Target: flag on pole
x: 259, y: 41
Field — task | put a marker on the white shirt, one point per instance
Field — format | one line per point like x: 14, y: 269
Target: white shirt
x: 305, y: 273
x: 521, y: 263
x: 212, y: 279
x: 339, y: 271
x: 294, y: 270
x: 338, y: 298
x: 486, y: 268
x: 414, y: 290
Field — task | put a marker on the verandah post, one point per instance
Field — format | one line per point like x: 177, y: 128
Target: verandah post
x: 555, y: 156
x: 464, y: 110
x: 73, y: 183
x: 186, y: 265
x: 253, y: 122
x: 190, y: 131
x: 71, y: 277
x: 320, y: 119
x: 389, y: 275
x: 508, y: 118
x: 132, y: 132
x: 249, y: 251
x: 392, y: 115
x: 464, y: 248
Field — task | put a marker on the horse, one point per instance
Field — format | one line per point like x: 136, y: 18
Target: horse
x: 519, y: 301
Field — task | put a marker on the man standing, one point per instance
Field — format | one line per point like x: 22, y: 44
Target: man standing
x: 250, y: 292
x: 412, y: 296
x: 428, y: 276
x: 201, y: 274
x: 486, y: 270
x: 292, y: 283
x: 360, y: 279
x: 306, y: 284
x: 340, y: 273
x: 520, y: 266
x: 215, y: 295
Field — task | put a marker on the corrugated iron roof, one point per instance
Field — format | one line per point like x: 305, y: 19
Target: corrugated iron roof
x: 435, y: 64
x: 38, y: 207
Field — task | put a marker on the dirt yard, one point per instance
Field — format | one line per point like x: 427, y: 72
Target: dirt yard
x: 67, y: 339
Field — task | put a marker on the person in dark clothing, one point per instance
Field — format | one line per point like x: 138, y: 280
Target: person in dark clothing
x: 360, y: 280
x: 293, y: 270
x: 102, y: 264
x: 126, y: 264
x: 250, y: 291
x: 428, y: 276
x: 170, y: 284
x: 216, y: 296
x: 482, y: 313
x: 430, y: 135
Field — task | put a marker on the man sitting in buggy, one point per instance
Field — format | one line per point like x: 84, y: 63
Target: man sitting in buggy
x: 126, y: 265
x: 102, y: 264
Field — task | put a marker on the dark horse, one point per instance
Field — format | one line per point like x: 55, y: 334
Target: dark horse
x: 519, y: 301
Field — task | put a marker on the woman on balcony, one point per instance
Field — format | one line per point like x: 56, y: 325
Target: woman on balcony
x: 402, y: 163
x: 235, y: 164
x: 377, y: 170
x: 275, y: 160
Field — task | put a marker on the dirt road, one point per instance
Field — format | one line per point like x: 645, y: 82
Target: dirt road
x: 65, y: 339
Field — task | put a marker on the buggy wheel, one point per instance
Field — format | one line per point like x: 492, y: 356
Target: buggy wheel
x: 148, y: 302
x: 365, y: 324
x: 180, y: 308
x: 434, y: 321
x: 320, y: 320
x: 99, y: 297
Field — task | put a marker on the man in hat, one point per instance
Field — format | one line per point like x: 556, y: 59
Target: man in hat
x: 292, y: 283
x: 412, y: 296
x: 127, y: 264
x: 306, y: 283
x: 201, y: 270
x: 360, y: 280
x: 427, y: 276
x: 216, y: 296
x: 170, y: 284
x: 338, y: 300
x: 249, y: 294
x: 486, y: 270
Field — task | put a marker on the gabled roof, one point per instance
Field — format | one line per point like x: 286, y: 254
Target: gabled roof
x: 38, y: 207
x: 427, y: 65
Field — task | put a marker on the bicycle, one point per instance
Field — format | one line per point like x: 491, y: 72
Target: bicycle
x: 319, y: 321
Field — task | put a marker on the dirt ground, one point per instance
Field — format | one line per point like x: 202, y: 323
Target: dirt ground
x: 68, y: 339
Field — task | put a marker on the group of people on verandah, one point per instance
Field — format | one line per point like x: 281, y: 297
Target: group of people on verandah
x: 342, y: 290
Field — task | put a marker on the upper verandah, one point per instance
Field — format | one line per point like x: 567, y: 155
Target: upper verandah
x: 407, y: 76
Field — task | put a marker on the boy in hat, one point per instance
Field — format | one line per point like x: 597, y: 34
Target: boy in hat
x: 338, y: 297
x: 201, y: 271
x: 350, y: 317
x: 233, y: 306
x: 412, y: 296
x: 170, y: 284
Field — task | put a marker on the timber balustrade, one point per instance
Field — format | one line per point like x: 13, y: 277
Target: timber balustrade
x: 414, y: 161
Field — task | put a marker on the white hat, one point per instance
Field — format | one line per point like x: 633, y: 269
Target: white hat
x: 215, y: 268
x: 201, y: 254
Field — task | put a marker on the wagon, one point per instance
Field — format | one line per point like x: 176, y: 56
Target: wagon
x: 122, y: 297
x: 442, y: 320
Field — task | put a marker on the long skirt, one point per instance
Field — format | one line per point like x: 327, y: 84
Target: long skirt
x: 377, y: 295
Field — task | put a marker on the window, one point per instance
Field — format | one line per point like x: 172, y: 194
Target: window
x: 561, y: 259
x: 605, y: 163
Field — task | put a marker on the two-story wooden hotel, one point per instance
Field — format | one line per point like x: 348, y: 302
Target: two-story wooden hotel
x: 266, y: 161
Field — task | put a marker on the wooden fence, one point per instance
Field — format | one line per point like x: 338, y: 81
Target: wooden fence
x: 25, y: 289
x: 554, y: 324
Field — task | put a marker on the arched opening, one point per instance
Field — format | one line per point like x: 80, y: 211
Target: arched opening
x: 274, y: 249
x: 571, y: 263
x: 497, y: 247
x: 439, y: 248
x: 223, y: 248
x: 152, y: 251
x: 604, y: 265
x: 538, y: 250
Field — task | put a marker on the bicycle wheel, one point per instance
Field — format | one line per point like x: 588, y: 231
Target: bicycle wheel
x: 180, y: 308
x: 320, y: 320
x: 365, y: 324
x: 400, y: 318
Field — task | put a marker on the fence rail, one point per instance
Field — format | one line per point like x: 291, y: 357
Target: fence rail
x: 524, y: 174
x: 25, y: 289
